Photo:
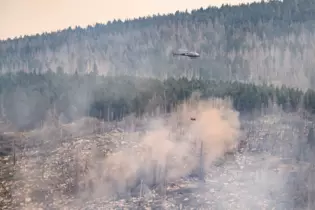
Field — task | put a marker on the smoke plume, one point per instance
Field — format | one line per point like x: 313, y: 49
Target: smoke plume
x: 181, y: 144
x: 172, y: 148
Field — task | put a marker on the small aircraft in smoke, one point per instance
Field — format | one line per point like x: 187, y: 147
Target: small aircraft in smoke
x: 187, y: 53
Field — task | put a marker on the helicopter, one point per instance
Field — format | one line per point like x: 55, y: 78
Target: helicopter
x: 187, y: 53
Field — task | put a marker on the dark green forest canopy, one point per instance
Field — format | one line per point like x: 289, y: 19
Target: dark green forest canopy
x: 27, y: 97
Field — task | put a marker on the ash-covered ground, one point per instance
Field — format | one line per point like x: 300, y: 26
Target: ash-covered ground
x: 218, y: 161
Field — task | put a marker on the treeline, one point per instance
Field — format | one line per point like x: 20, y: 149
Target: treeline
x: 27, y: 98
x: 258, y: 42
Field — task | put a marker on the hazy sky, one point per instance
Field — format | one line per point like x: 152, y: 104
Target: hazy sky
x: 19, y: 17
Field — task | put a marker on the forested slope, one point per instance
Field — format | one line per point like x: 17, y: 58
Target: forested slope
x: 28, y: 99
x: 260, y: 42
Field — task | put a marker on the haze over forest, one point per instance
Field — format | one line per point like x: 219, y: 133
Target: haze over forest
x: 260, y: 43
x: 269, y: 42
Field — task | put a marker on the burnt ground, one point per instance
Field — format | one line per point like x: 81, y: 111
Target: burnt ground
x: 49, y: 175
x: 244, y: 182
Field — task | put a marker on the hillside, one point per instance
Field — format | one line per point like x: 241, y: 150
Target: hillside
x: 106, y: 118
x: 269, y: 42
x: 63, y: 156
x: 165, y: 162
